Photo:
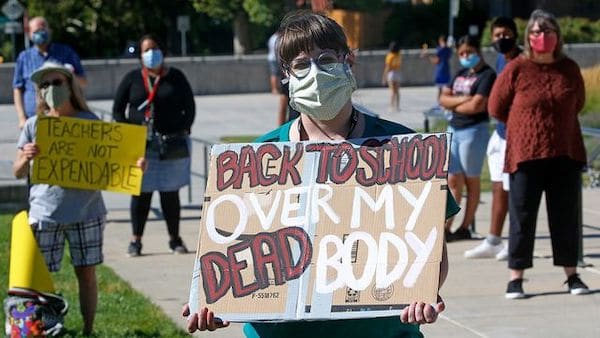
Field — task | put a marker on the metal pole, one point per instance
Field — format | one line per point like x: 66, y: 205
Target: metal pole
x: 14, y: 45
x: 25, y: 30
x: 183, y: 44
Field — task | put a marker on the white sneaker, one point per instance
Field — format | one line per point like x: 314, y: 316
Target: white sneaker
x: 484, y: 250
x: 503, y: 254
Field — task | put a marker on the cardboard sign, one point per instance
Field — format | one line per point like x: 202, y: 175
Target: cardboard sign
x: 294, y: 231
x: 89, y: 154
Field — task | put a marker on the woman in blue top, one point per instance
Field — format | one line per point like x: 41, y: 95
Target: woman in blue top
x: 315, y: 55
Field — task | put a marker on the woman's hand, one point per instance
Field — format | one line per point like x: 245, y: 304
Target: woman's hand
x: 421, y: 313
x: 203, y: 320
x: 142, y: 163
x: 30, y: 150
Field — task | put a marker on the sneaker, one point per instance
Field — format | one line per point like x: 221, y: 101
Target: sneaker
x: 514, y: 290
x: 177, y: 247
x: 503, y: 254
x: 459, y: 235
x: 134, y: 249
x: 484, y: 250
x: 576, y: 286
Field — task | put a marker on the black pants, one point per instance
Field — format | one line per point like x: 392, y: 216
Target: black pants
x: 171, y: 208
x: 560, y: 179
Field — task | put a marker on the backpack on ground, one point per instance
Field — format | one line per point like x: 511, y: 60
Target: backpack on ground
x: 34, y: 314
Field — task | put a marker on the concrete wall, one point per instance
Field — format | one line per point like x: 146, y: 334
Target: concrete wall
x: 228, y: 74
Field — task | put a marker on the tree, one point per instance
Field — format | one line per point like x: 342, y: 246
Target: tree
x: 102, y: 28
x: 243, y: 12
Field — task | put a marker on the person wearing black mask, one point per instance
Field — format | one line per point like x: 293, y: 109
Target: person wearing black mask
x: 504, y: 41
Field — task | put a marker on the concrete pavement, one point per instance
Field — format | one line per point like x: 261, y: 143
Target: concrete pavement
x: 474, y: 291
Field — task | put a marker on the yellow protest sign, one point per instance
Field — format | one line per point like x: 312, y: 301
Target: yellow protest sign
x: 89, y: 154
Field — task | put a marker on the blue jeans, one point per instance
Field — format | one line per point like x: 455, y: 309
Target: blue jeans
x: 468, y: 148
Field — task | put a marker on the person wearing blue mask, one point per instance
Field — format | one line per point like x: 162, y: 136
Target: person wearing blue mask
x: 32, y: 59
x: 159, y: 97
x: 467, y: 96
x: 316, y: 57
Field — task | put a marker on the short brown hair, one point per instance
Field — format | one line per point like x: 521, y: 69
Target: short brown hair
x: 301, y: 31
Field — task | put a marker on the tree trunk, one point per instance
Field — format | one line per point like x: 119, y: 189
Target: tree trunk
x: 241, y: 34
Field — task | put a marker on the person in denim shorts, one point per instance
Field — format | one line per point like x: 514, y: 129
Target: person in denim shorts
x: 467, y: 97
x: 57, y: 213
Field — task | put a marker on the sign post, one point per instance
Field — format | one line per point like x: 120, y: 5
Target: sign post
x: 183, y: 25
x: 13, y: 10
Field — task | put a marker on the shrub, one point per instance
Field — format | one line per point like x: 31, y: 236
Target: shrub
x: 591, y: 111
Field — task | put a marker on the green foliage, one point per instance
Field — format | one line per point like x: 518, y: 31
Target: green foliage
x: 6, y: 49
x: 263, y: 16
x: 574, y: 30
x: 122, y: 312
x: 590, y: 114
x: 579, y: 30
x: 264, y: 12
x: 261, y: 12
x: 413, y: 25
x: 219, y: 9
x: 103, y: 28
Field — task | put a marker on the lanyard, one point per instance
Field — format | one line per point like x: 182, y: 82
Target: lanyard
x: 151, y: 91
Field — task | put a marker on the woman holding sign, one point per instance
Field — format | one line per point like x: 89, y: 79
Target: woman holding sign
x: 318, y: 61
x: 57, y: 213
x: 160, y: 98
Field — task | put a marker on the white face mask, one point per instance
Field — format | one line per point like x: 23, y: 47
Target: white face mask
x: 320, y: 94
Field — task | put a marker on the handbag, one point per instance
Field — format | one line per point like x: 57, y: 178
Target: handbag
x: 172, y: 146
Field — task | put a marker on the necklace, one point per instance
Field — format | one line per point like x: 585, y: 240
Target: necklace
x: 353, y: 122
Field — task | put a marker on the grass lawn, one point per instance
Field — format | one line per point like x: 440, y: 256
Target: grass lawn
x: 238, y: 138
x: 440, y: 126
x: 122, y: 311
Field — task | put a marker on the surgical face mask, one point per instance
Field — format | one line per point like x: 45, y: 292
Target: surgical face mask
x: 40, y: 37
x: 504, y: 45
x: 543, y: 43
x: 322, y: 94
x: 470, y: 61
x: 55, y: 96
x: 152, y: 58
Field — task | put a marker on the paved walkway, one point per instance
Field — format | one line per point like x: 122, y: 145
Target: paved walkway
x: 474, y: 291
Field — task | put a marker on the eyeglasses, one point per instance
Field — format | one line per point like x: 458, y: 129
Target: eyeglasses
x: 540, y: 31
x: 55, y: 82
x: 300, y: 67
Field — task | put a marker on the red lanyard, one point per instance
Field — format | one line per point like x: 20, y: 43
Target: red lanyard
x: 150, y: 90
